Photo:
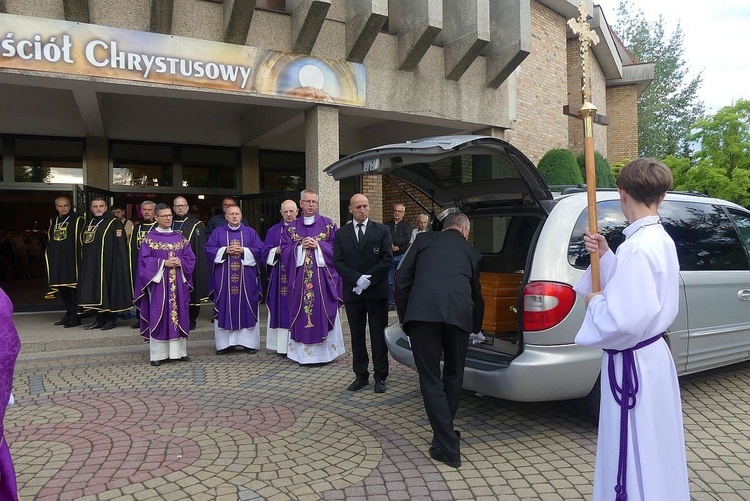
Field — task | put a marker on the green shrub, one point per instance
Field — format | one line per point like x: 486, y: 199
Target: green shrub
x: 605, y: 178
x: 558, y: 167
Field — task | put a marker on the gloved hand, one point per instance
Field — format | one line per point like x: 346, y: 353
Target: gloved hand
x: 364, y: 281
x: 476, y: 337
x: 358, y: 290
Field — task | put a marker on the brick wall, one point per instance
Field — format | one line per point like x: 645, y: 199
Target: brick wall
x: 372, y: 188
x: 622, y: 133
x: 542, y: 92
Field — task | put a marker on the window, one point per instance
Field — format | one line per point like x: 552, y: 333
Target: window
x: 142, y: 164
x: 704, y: 236
x: 166, y: 165
x: 209, y: 167
x: 281, y: 170
x: 48, y: 161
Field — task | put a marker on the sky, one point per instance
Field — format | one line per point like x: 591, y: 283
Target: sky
x: 716, y: 41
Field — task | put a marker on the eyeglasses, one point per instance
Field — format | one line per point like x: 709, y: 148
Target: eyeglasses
x: 164, y: 215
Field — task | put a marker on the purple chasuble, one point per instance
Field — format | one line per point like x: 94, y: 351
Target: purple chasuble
x: 10, y: 345
x: 235, y: 287
x: 316, y: 291
x: 163, y: 304
x: 279, y: 287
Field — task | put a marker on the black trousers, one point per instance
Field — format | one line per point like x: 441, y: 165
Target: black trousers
x: 441, y: 392
x: 360, y: 312
x: 69, y: 297
x: 194, y: 311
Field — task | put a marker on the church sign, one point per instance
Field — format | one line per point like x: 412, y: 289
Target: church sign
x: 63, y: 47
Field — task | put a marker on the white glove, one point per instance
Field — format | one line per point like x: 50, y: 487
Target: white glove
x: 476, y: 337
x: 364, y: 281
x: 358, y: 290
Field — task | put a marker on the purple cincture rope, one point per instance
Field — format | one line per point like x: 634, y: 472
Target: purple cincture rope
x: 625, y: 396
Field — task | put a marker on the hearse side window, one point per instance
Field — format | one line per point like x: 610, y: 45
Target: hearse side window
x: 742, y: 221
x: 504, y: 241
x: 704, y: 236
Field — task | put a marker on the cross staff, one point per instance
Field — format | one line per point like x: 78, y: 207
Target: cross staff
x: 587, y: 112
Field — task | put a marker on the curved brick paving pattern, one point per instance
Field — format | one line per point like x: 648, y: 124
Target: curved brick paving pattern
x: 110, y: 426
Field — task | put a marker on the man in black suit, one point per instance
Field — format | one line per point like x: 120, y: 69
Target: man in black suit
x: 439, y: 304
x: 400, y: 230
x: 362, y: 256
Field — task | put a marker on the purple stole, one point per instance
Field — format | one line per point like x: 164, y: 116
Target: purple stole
x: 277, y: 298
x: 10, y: 345
x: 316, y: 292
x: 235, y: 288
x: 163, y: 305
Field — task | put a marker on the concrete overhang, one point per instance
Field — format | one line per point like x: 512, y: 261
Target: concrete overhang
x: 567, y: 8
x: 640, y: 75
x: 605, y: 51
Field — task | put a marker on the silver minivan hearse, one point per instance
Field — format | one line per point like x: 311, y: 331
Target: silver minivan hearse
x: 532, y: 248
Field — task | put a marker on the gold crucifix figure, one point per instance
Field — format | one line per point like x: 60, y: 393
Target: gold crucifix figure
x: 587, y: 37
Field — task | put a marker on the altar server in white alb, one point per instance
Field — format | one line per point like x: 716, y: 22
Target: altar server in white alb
x: 641, y: 446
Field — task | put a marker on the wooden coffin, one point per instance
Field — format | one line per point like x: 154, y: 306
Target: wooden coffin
x: 500, y: 293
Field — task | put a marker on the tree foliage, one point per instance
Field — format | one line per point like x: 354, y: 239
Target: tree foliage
x: 722, y: 164
x: 605, y: 178
x: 559, y: 167
x: 669, y: 106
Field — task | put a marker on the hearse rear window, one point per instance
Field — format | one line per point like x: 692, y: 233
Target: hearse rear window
x: 462, y: 169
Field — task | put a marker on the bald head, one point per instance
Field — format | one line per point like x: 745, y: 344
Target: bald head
x: 359, y: 206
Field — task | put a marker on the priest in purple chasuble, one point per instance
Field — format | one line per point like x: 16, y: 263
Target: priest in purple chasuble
x: 235, y: 251
x: 315, y: 298
x: 10, y: 345
x: 163, y: 281
x: 277, y: 298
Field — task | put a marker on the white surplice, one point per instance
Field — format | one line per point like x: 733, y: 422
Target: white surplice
x: 639, y: 300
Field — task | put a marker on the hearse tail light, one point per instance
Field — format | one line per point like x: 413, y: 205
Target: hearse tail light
x: 546, y: 304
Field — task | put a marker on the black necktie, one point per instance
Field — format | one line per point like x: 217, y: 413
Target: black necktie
x: 360, y: 233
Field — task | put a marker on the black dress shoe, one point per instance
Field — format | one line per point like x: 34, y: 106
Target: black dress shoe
x: 75, y: 322
x: 251, y: 351
x: 185, y: 359
x: 156, y: 363
x: 437, y: 454
x: 226, y: 350
x: 95, y: 325
x: 108, y: 326
x: 136, y: 325
x: 62, y: 321
x: 379, y: 386
x: 358, y: 384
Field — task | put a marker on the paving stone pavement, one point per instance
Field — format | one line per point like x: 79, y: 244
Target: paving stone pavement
x: 102, y: 424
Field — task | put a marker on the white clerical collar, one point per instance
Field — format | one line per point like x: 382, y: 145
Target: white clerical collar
x: 234, y: 227
x: 162, y: 230
x: 308, y: 220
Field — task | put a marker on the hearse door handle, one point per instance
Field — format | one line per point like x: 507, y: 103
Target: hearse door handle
x: 743, y: 295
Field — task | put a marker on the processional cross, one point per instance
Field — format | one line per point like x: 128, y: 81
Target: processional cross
x: 587, y: 111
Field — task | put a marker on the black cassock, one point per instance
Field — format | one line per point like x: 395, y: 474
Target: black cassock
x: 193, y: 229
x: 62, y: 254
x: 140, y: 231
x: 104, y: 280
